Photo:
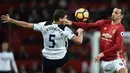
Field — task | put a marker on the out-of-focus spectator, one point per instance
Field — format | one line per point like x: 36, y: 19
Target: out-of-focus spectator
x: 32, y: 5
x: 45, y: 14
x: 51, y: 2
x: 22, y: 11
x: 15, y: 41
x: 11, y: 11
x: 63, y: 4
x: 34, y: 68
x: 23, y: 54
x: 22, y: 8
x: 84, y: 53
x: 59, y: 70
x: 7, y: 59
x: 17, y: 16
x: 22, y: 69
x: 72, y: 6
x: 71, y: 70
x: 85, y: 68
x: 31, y: 40
x: 114, y: 2
x: 33, y: 17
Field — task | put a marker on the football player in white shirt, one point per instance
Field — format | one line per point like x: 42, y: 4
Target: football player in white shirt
x: 7, y: 59
x: 55, y: 35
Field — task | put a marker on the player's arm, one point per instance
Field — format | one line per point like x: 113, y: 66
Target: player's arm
x: 119, y: 42
x: 85, y: 25
x: 79, y: 38
x: 13, y: 63
x: 75, y: 38
x: 6, y: 18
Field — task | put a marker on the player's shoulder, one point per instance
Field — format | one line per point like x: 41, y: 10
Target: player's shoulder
x: 120, y: 27
x: 106, y: 20
x: 64, y: 27
x: 44, y: 23
x: 40, y: 23
x: 48, y: 23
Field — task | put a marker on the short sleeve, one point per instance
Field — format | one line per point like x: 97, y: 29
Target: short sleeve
x: 69, y: 33
x: 39, y: 26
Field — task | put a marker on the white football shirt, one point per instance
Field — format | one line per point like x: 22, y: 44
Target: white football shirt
x: 6, y: 59
x: 55, y: 39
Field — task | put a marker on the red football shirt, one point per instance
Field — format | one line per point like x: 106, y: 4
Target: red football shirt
x: 111, y: 37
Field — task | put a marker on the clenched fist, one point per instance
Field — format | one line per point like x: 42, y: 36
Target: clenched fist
x: 79, y: 30
x: 5, y: 18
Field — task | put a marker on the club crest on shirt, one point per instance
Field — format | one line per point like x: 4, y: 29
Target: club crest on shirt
x: 122, y: 33
x: 105, y: 28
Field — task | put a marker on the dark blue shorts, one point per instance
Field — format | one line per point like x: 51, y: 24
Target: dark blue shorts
x: 5, y: 72
x: 50, y: 66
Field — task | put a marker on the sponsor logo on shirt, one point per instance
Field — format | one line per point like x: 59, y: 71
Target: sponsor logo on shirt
x: 120, y: 64
x: 106, y: 36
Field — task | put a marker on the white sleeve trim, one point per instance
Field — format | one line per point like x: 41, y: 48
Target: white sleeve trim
x: 38, y: 26
x: 69, y: 33
x: 71, y: 36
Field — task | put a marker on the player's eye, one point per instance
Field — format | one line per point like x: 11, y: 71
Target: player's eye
x: 116, y: 12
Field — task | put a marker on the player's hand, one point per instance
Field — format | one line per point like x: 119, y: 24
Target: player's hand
x: 5, y: 18
x: 67, y: 22
x: 79, y: 30
x: 98, y: 57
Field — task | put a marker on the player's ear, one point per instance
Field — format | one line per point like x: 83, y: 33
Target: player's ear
x: 60, y: 19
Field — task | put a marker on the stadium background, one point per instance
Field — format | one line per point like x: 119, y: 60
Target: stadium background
x: 26, y: 44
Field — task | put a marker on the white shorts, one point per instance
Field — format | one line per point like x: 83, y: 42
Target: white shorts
x: 111, y: 66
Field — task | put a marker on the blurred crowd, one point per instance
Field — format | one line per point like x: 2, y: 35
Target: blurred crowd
x: 41, y: 10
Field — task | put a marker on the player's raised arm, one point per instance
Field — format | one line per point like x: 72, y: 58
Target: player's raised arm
x: 85, y: 25
x: 6, y: 18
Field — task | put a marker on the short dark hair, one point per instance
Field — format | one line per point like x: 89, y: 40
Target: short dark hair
x: 59, y: 13
x: 122, y: 10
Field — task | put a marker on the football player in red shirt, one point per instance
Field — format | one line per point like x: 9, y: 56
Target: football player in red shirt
x: 111, y: 41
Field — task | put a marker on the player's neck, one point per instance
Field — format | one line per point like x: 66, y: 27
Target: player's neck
x: 4, y: 50
x: 114, y: 22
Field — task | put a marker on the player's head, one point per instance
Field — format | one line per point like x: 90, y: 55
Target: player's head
x: 59, y: 15
x: 117, y: 14
x: 5, y: 46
